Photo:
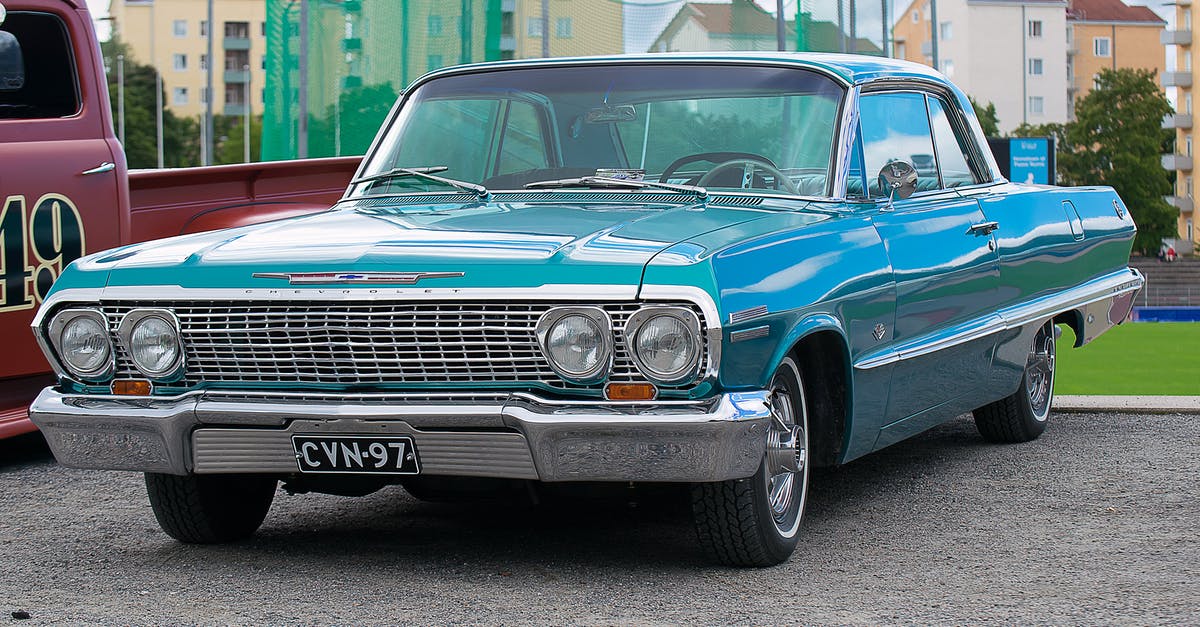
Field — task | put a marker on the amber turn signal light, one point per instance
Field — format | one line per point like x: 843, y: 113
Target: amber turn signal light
x: 131, y: 387
x: 630, y: 392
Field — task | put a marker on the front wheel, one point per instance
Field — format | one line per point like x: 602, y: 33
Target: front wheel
x: 209, y: 509
x: 755, y: 521
x: 1022, y: 416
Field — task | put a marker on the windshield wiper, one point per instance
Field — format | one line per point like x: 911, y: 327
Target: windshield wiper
x: 605, y: 181
x: 426, y: 173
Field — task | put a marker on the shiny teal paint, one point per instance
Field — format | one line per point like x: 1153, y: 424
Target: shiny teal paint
x: 911, y: 268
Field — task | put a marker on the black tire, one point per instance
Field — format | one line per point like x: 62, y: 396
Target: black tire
x: 736, y: 521
x: 209, y: 509
x: 1022, y: 416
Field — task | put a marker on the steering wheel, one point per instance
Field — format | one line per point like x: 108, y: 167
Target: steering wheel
x: 748, y: 167
x: 711, y: 157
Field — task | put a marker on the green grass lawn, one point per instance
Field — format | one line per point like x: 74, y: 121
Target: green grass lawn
x: 1161, y: 358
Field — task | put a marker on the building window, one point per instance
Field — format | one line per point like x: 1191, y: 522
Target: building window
x: 433, y: 62
x: 1189, y: 230
x: 946, y: 32
x: 1095, y: 81
x: 901, y: 50
x: 1035, y: 29
x: 533, y: 27
x: 1187, y: 145
x: 1188, y: 186
x: 203, y: 61
x: 204, y: 28
x: 203, y: 95
x: 1187, y: 104
x: 179, y: 96
x: 1070, y: 35
x: 179, y: 62
x: 1037, y: 105
x: 264, y: 62
x: 562, y: 28
x: 916, y: 17
x: 1187, y: 20
x: 948, y: 68
x: 262, y: 29
x: 1035, y: 67
x: 179, y: 28
x: 1102, y: 46
x: 434, y: 25
x: 237, y: 30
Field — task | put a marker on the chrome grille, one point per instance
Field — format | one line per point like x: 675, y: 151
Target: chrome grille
x: 368, y: 342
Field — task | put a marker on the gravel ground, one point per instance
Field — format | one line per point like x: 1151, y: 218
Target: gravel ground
x: 1094, y: 523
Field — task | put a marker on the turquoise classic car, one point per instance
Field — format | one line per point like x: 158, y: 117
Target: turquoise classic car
x: 712, y: 270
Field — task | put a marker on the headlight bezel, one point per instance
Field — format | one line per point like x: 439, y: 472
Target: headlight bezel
x: 689, y: 319
x: 600, y: 317
x: 54, y: 331
x: 129, y: 323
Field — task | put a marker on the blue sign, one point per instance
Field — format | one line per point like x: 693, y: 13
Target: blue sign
x: 1029, y: 160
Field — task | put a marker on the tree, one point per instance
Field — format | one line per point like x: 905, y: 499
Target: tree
x: 230, y: 133
x: 1117, y: 139
x: 988, y: 120
x: 181, y: 136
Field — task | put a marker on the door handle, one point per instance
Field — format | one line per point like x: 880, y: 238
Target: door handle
x: 107, y: 166
x: 983, y: 228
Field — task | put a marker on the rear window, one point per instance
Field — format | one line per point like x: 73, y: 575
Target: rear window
x: 51, y: 89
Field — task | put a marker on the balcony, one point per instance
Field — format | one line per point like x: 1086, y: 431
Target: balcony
x: 1176, y: 38
x: 234, y: 108
x: 1178, y: 120
x: 237, y: 43
x: 1176, y: 79
x: 237, y: 76
x: 508, y: 6
x: 1182, y: 203
x: 1177, y: 162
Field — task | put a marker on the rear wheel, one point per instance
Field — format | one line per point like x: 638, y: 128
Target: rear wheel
x: 755, y: 521
x: 1022, y: 416
x: 209, y: 509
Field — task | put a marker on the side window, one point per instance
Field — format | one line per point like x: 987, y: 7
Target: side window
x: 522, y: 145
x: 50, y: 89
x: 951, y: 149
x: 896, y: 126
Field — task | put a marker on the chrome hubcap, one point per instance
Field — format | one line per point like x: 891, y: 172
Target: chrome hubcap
x: 786, y: 458
x: 1039, y: 372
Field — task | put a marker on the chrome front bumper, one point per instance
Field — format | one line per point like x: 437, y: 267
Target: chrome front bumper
x: 515, y: 436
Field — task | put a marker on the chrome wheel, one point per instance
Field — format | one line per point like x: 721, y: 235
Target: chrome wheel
x: 1039, y: 373
x: 787, y: 451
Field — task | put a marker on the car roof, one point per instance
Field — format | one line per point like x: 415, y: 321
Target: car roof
x: 851, y: 69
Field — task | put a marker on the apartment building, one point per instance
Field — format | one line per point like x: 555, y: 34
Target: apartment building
x: 1109, y: 34
x: 1011, y: 53
x: 172, y: 35
x: 1183, y: 40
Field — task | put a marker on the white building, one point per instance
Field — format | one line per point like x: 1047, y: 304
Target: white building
x: 1011, y: 53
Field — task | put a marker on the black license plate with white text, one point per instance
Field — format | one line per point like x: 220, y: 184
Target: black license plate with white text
x: 356, y: 454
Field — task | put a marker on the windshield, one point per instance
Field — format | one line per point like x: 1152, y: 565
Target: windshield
x: 725, y: 127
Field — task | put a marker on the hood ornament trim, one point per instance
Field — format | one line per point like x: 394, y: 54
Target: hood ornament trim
x: 356, y: 278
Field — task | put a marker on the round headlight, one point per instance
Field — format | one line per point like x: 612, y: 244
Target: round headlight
x: 577, y: 342
x: 84, y: 346
x: 154, y: 346
x: 666, y: 343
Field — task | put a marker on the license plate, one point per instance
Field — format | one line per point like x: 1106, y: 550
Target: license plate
x: 356, y: 454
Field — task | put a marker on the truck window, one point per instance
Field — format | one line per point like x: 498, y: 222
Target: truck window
x: 51, y: 89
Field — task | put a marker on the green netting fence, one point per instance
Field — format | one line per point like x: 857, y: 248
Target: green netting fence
x: 335, y: 67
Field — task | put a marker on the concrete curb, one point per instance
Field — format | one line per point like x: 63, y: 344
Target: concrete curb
x: 1128, y: 404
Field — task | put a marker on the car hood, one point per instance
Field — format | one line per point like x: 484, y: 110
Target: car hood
x: 490, y: 244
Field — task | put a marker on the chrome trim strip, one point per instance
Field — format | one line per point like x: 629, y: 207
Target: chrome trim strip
x: 1016, y: 316
x: 846, y: 135
x: 747, y: 314
x: 355, y: 278
x: 750, y: 334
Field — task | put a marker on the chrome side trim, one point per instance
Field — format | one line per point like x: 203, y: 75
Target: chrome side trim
x: 752, y: 333
x: 747, y: 314
x: 845, y: 142
x: 1096, y: 290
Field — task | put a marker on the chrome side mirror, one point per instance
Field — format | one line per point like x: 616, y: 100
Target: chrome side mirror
x: 898, y: 179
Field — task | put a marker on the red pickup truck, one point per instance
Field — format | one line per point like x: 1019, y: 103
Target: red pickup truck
x: 66, y: 191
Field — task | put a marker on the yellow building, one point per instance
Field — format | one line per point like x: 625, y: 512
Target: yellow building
x: 172, y: 35
x: 1108, y: 34
x: 577, y: 28
x: 1183, y: 79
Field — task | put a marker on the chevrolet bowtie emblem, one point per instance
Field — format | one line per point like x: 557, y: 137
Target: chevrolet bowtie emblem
x: 393, y: 278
